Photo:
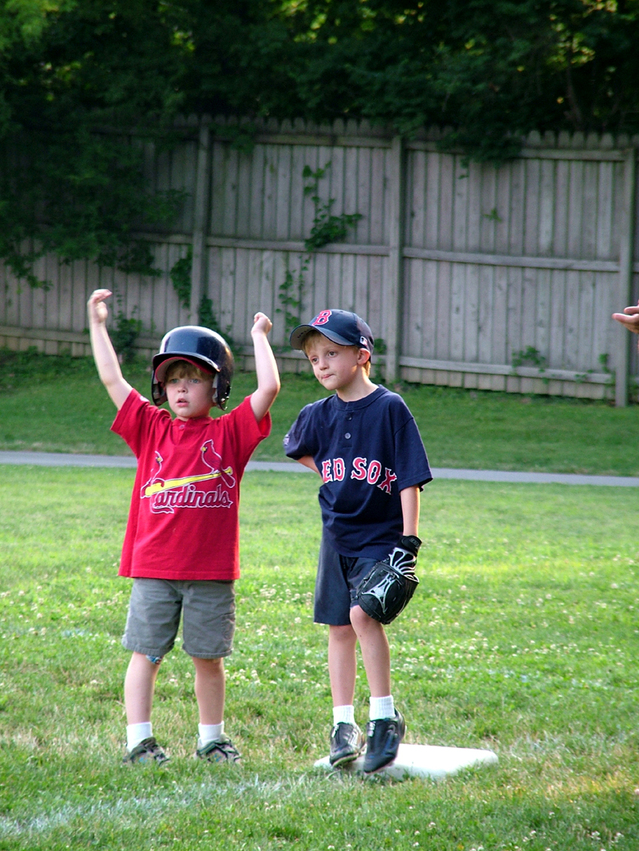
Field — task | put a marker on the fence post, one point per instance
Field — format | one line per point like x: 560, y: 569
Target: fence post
x: 626, y: 261
x: 200, y: 221
x: 395, y: 260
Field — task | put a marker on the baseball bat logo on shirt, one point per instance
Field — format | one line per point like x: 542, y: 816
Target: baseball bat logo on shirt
x: 180, y: 492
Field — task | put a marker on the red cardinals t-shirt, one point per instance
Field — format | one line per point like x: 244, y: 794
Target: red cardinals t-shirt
x: 183, y: 521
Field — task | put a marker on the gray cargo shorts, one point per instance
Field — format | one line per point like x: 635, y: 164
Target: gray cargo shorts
x: 207, y: 608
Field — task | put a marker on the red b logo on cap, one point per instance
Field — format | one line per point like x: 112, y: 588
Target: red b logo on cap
x: 322, y: 317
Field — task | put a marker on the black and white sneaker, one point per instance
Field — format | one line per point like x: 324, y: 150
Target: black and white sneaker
x: 383, y: 739
x: 347, y: 743
x: 146, y: 753
x: 222, y: 750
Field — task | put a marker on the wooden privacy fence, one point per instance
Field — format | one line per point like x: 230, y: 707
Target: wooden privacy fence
x: 472, y: 275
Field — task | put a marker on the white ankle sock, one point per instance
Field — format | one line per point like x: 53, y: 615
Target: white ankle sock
x: 344, y: 714
x: 382, y: 707
x: 210, y: 733
x: 136, y: 733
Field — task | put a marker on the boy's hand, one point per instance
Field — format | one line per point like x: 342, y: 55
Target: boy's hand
x: 97, y: 309
x: 261, y: 324
x: 629, y: 318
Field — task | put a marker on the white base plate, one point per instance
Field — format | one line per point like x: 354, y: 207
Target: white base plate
x: 422, y: 761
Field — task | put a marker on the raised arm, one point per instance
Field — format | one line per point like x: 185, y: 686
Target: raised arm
x: 268, y: 379
x: 104, y: 354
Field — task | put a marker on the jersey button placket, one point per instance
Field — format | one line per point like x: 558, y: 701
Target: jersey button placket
x: 347, y: 434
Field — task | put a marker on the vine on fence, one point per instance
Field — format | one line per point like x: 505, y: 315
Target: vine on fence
x: 125, y: 332
x: 326, y: 228
x: 180, y: 275
x: 531, y: 356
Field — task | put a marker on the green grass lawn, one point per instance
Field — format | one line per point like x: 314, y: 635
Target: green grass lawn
x: 57, y: 404
x: 522, y: 638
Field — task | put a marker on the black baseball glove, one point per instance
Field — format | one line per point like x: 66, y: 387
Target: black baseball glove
x: 389, y: 586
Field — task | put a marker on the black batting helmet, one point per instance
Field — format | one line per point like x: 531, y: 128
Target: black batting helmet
x: 201, y: 346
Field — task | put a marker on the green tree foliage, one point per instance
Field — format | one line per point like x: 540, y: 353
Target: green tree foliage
x: 83, y: 83
x: 488, y: 69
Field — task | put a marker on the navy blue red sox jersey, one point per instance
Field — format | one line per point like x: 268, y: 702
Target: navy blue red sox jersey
x: 366, y: 451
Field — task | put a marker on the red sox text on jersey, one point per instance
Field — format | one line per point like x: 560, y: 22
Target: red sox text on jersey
x: 334, y: 470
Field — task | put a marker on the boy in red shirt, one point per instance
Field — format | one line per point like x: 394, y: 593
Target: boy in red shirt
x: 181, y: 541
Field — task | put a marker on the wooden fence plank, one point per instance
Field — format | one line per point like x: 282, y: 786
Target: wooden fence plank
x: 514, y: 341
x: 575, y: 209
x: 469, y: 312
x: 573, y: 321
x: 546, y: 206
x: 532, y: 208
x: 499, y: 352
x: 444, y: 271
x: 475, y: 206
x: 412, y: 322
x: 585, y: 351
x: 556, y: 352
x: 445, y: 206
x: 517, y: 209
x: 488, y: 210
x: 486, y: 311
x: 244, y: 194
x: 230, y: 202
x: 542, y: 311
x: 377, y: 232
x: 460, y: 207
x: 503, y: 223
x: 283, y: 193
x: 297, y: 182
x: 430, y: 310
x: 433, y: 209
x: 590, y: 210
x: 218, y: 181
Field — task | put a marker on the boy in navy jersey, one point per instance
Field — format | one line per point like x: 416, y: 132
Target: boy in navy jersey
x: 364, y: 443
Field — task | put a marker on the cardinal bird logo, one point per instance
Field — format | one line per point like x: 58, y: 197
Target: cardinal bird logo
x: 168, y: 494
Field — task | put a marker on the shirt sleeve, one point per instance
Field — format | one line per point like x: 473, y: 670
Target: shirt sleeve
x: 411, y: 460
x: 248, y: 433
x: 299, y: 442
x: 133, y: 421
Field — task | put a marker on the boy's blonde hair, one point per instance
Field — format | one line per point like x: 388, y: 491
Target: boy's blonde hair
x: 185, y: 369
x: 313, y: 335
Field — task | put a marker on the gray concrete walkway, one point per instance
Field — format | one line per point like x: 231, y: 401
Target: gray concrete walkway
x: 54, y: 459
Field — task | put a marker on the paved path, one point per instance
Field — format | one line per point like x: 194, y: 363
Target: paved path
x: 54, y: 459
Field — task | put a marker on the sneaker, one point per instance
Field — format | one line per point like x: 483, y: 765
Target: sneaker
x: 146, y: 753
x: 384, y: 736
x: 347, y: 743
x: 222, y: 750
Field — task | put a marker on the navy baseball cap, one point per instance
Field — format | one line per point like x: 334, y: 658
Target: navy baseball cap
x: 340, y: 326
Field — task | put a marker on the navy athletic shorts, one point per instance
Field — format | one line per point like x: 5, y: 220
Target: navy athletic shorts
x: 337, y: 579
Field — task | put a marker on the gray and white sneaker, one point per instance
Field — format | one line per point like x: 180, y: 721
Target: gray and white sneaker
x: 347, y: 743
